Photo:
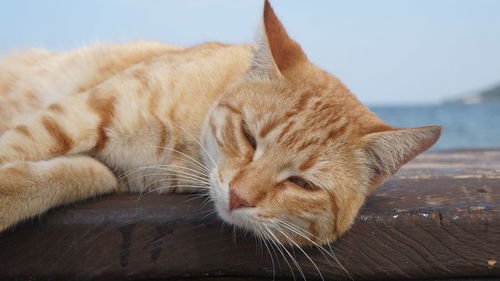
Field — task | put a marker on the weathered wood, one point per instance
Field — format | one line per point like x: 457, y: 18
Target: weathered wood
x: 438, y: 218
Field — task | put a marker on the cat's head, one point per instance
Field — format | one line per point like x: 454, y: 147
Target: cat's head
x: 294, y: 152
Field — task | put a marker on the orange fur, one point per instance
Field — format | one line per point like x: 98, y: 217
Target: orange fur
x: 283, y: 147
x: 63, y: 142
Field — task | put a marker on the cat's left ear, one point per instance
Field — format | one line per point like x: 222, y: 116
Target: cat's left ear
x: 387, y: 151
x: 276, y: 52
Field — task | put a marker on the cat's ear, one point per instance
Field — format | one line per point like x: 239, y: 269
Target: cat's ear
x: 276, y: 52
x: 387, y: 151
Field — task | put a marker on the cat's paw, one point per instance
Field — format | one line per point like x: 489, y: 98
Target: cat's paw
x: 13, y: 178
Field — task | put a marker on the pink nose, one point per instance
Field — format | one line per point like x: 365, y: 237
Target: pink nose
x: 236, y: 202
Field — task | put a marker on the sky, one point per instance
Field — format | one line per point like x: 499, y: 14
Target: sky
x: 385, y: 51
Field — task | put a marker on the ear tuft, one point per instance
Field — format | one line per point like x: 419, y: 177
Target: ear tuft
x: 387, y: 151
x: 276, y: 50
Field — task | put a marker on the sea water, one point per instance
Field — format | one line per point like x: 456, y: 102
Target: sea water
x: 464, y: 125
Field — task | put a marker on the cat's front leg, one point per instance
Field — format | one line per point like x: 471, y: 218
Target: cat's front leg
x: 28, y: 189
x: 74, y: 125
x: 41, y: 161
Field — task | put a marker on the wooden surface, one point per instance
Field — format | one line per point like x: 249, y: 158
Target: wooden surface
x: 438, y: 218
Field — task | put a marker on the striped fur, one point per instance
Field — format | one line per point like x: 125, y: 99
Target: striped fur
x: 279, y: 138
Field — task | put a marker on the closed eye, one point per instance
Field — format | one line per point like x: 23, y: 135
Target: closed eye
x: 248, y: 136
x: 302, y: 183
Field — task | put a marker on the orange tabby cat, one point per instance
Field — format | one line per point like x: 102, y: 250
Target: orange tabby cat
x: 282, y: 147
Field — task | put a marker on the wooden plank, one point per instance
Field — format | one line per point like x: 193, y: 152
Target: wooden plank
x: 438, y: 218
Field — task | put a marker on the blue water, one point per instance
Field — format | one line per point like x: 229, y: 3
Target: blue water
x: 464, y: 126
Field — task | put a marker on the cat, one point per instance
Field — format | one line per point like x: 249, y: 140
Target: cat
x: 281, y: 147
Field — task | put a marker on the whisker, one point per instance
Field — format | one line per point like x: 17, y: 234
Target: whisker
x: 296, y: 229
x: 319, y: 247
x: 274, y: 251
x: 300, y: 248
x: 174, y: 177
x: 206, y: 201
x: 300, y: 231
x: 138, y: 169
x: 171, y: 170
x: 282, y: 254
x: 288, y: 253
x: 179, y: 173
x: 184, y: 178
x: 185, y: 181
x: 196, y: 164
x: 269, y: 252
x: 172, y: 186
x: 142, y: 195
x: 193, y: 161
x: 200, y: 173
x: 198, y: 196
x: 211, y: 212
x: 340, y: 264
x: 201, y: 165
x: 196, y: 140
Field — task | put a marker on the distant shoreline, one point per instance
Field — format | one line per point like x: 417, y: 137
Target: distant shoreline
x: 488, y: 96
x: 426, y: 105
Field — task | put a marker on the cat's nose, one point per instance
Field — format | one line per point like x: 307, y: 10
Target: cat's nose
x: 236, y: 202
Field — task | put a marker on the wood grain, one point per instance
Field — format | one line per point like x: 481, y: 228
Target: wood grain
x: 439, y: 218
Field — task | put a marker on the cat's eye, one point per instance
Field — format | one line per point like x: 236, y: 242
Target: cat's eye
x: 302, y: 183
x: 249, y: 137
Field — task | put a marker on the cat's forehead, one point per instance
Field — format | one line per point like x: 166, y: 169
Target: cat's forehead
x: 308, y: 115
x: 302, y: 132
x: 308, y: 121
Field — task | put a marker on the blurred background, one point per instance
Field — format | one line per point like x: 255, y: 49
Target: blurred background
x: 414, y: 63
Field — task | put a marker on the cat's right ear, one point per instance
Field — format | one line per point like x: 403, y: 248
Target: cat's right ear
x: 276, y: 53
x: 387, y: 151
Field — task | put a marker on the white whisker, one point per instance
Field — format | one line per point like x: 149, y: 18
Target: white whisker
x: 196, y: 140
x: 288, y: 253
x: 300, y: 248
x: 173, y: 186
x: 173, y: 176
x: 282, y: 254
x: 171, y: 170
x: 201, y: 173
x: 142, y: 194
x: 269, y: 252
x: 299, y: 231
x: 201, y: 165
x: 182, y: 178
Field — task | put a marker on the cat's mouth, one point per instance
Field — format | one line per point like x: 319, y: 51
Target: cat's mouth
x: 243, y: 217
x: 287, y: 230
x: 275, y: 230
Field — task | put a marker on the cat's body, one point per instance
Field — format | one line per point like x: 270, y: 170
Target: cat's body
x: 157, y: 96
x: 286, y: 150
